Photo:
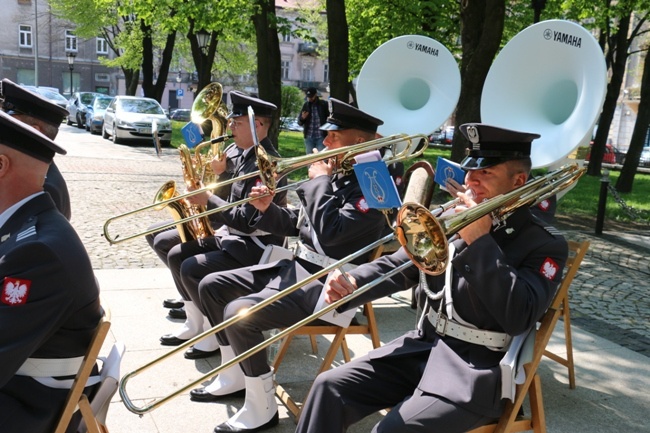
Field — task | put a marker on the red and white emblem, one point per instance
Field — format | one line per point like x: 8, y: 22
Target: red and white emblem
x: 15, y: 291
x: 398, y: 180
x: 259, y: 182
x: 362, y: 205
x: 549, y: 268
x: 544, y: 205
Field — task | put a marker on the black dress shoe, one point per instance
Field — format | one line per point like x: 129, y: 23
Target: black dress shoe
x: 177, y: 313
x: 194, y: 353
x: 170, y: 340
x: 225, y: 427
x: 173, y: 303
x: 203, y: 396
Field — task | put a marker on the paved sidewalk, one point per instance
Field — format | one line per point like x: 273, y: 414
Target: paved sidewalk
x: 609, y: 301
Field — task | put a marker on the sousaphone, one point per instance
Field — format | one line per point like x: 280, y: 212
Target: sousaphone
x: 411, y: 82
x: 549, y: 79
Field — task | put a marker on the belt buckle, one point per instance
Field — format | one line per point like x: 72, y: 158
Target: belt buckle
x: 441, y: 325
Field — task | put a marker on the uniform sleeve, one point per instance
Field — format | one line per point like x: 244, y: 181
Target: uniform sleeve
x: 25, y: 326
x: 240, y: 216
x: 516, y: 295
x: 278, y: 220
x: 334, y: 222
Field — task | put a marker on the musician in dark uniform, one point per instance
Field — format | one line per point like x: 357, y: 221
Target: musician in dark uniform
x: 163, y: 241
x: 335, y: 222
x: 501, y: 279
x: 46, y: 117
x: 235, y: 244
x: 49, y: 298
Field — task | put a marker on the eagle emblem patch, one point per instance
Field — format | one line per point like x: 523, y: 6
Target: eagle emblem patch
x: 549, y: 268
x: 362, y: 205
x: 15, y: 291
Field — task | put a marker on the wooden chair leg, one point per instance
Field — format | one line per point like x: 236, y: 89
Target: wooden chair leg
x: 345, y: 350
x: 92, y: 425
x: 537, y: 406
x: 333, y: 350
x: 314, y: 344
x: 282, y: 351
x: 373, y: 330
x: 566, y: 313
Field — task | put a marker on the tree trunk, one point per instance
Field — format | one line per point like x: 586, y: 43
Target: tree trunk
x: 481, y: 32
x: 626, y: 179
x: 269, y: 75
x: 153, y: 87
x: 611, y: 98
x: 337, y: 33
x: 131, y: 79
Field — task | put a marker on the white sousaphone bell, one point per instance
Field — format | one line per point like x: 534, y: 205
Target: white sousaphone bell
x: 549, y: 79
x: 411, y: 82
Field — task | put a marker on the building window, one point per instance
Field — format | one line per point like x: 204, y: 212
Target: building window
x: 102, y: 46
x: 286, y: 37
x: 285, y: 69
x: 70, y: 41
x: 24, y: 36
x: 326, y: 72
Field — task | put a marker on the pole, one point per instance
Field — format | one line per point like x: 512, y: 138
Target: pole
x: 36, y: 43
x: 602, y: 202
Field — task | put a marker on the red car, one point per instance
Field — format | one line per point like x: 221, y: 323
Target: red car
x: 611, y: 154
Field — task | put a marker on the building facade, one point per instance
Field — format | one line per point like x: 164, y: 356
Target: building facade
x: 32, y: 32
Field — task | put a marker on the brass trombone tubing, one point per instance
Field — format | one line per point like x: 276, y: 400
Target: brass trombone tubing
x: 295, y: 164
x: 148, y: 408
x: 198, y: 215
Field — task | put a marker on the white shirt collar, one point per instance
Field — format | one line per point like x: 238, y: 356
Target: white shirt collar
x: 4, y: 216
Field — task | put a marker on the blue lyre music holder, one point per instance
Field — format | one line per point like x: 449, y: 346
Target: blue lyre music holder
x: 377, y: 185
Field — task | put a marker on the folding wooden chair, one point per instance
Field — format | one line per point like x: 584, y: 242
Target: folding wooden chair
x: 577, y: 251
x: 509, y: 421
x: 419, y: 189
x: 76, y: 398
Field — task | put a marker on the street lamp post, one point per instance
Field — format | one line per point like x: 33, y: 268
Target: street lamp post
x: 71, y: 57
x: 203, y: 39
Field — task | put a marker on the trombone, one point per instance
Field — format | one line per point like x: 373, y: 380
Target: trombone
x: 424, y: 239
x: 272, y: 169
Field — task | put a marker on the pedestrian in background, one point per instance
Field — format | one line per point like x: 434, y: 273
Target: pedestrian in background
x: 312, y: 116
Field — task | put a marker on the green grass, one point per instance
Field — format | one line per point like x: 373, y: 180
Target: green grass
x: 582, y: 200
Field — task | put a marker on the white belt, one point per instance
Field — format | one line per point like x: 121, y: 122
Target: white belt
x: 233, y: 231
x: 446, y: 327
x: 47, y: 367
x: 313, y: 257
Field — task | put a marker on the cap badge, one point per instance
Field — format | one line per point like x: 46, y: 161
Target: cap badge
x: 472, y: 134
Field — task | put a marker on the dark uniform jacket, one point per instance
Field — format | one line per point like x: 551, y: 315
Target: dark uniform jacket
x: 337, y: 214
x: 502, y: 282
x: 49, y: 308
x: 55, y: 185
x: 237, y: 217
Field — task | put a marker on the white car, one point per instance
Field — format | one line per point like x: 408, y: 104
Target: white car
x: 131, y: 118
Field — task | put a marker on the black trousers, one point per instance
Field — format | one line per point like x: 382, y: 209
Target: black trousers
x: 344, y: 395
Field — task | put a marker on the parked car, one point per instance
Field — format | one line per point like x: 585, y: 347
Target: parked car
x: 290, y: 124
x: 612, y: 154
x: 181, y: 115
x: 50, y: 93
x: 644, y: 161
x: 95, y: 113
x: 77, y: 107
x: 442, y: 136
x: 130, y: 118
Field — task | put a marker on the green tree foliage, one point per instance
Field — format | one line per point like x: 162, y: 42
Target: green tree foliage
x: 292, y: 100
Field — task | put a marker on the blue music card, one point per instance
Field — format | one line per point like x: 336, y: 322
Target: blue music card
x: 446, y: 169
x: 377, y: 185
x: 192, y: 134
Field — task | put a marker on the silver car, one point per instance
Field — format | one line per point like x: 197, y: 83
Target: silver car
x: 131, y: 117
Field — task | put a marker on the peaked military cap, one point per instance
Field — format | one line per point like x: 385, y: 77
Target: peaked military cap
x: 491, y: 145
x: 241, y: 101
x: 18, y: 100
x: 25, y: 139
x: 345, y: 116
